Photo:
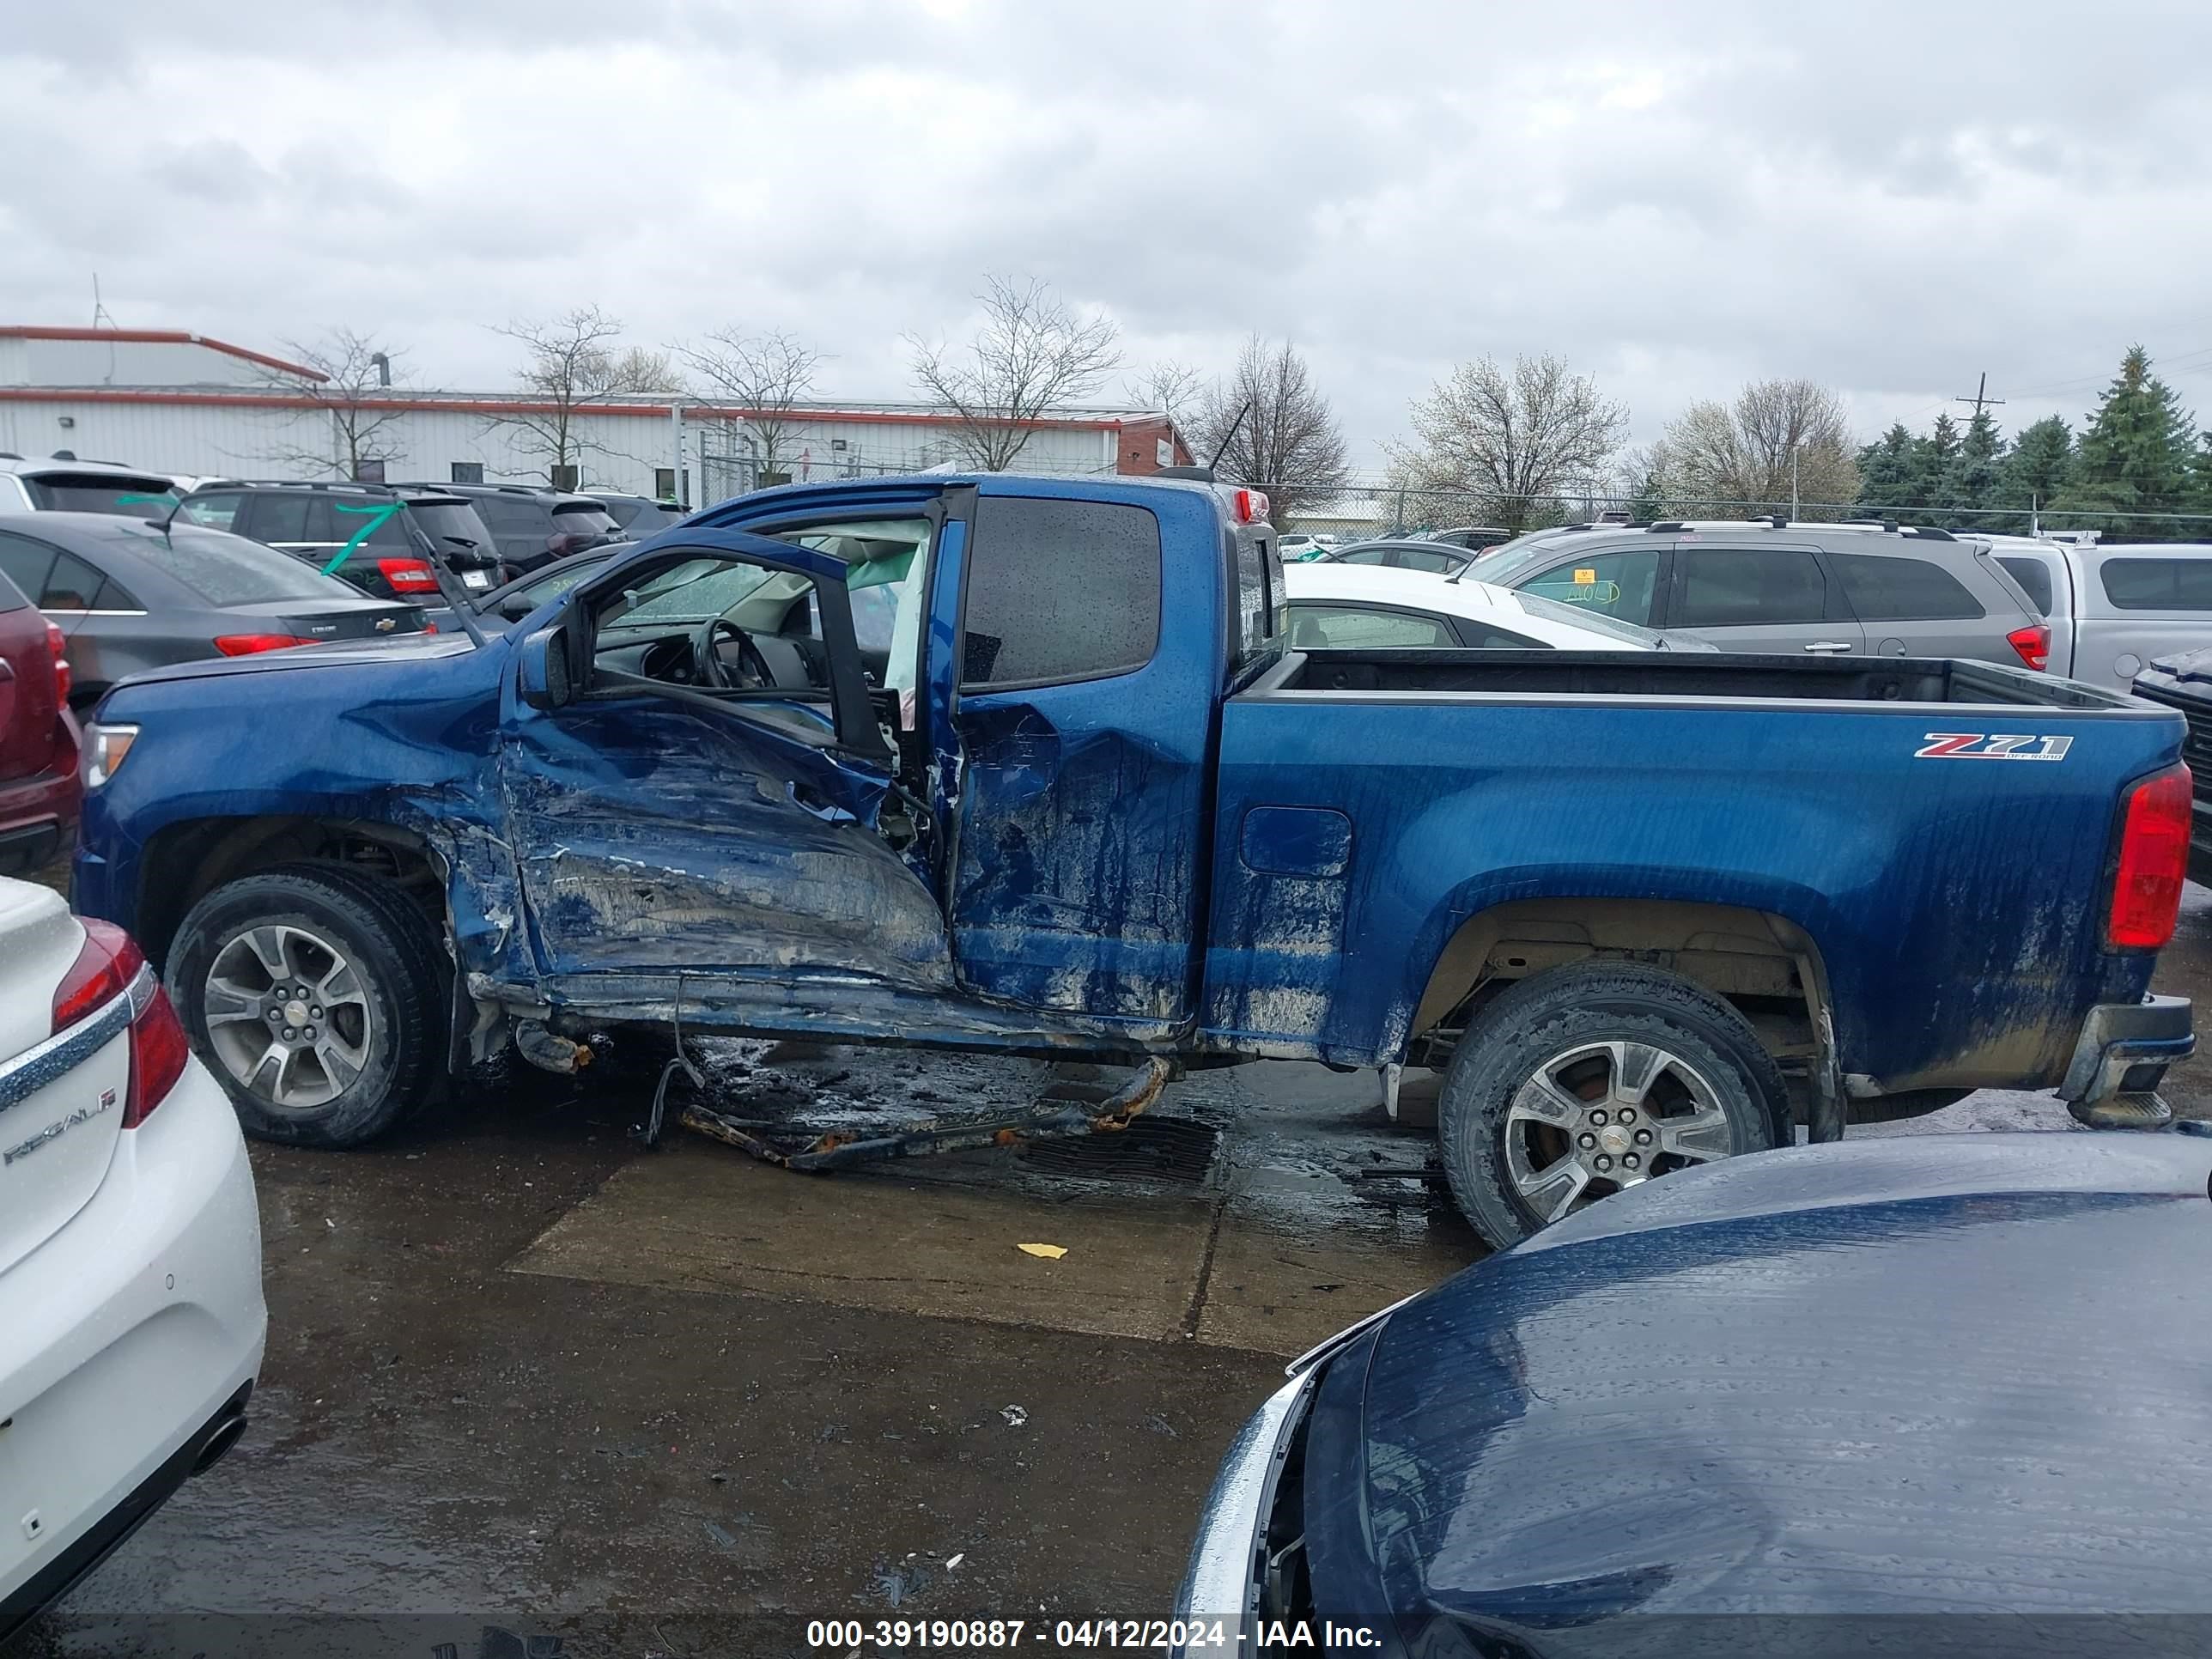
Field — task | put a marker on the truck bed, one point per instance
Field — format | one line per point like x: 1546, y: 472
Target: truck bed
x: 1941, y: 830
x: 1688, y: 674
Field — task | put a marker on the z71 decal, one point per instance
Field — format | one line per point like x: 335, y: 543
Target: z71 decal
x: 1992, y: 745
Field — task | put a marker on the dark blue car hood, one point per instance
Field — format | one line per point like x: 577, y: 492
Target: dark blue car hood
x: 1903, y: 1377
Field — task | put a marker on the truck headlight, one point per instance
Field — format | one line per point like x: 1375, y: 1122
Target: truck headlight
x: 103, y: 750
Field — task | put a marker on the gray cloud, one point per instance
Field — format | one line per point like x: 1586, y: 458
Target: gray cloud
x: 1888, y: 198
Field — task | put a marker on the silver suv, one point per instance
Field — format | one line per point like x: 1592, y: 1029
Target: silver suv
x: 63, y: 483
x: 1772, y: 586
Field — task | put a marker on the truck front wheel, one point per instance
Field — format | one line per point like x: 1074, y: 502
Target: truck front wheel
x: 315, y: 997
x: 1587, y: 1079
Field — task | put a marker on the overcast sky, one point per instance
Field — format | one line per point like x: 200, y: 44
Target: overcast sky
x: 1888, y: 198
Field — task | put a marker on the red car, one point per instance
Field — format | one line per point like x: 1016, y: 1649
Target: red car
x: 39, y: 787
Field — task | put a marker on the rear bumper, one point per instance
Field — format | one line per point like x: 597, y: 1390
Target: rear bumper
x: 132, y: 1333
x: 66, y: 1569
x: 2126, y: 1047
x: 37, y: 814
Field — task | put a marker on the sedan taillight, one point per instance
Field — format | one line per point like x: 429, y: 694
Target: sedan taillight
x: 245, y: 645
x: 112, y: 965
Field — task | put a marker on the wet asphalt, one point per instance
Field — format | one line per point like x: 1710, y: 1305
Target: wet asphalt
x: 532, y: 1388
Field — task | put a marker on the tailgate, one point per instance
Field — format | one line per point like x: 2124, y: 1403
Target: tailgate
x: 61, y: 1096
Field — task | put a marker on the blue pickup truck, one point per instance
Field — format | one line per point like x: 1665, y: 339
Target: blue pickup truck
x: 1028, y: 765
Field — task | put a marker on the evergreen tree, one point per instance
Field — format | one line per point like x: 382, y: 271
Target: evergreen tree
x: 2037, y: 470
x: 2200, y: 489
x: 2136, y: 454
x: 1931, y: 483
x: 1885, y: 471
x: 1976, y: 473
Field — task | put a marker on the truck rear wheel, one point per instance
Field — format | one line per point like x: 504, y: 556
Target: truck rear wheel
x: 1594, y: 1077
x: 314, y: 996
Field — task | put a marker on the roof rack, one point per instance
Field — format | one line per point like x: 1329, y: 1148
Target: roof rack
x: 299, y: 483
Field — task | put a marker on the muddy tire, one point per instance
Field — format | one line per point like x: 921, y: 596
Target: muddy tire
x: 317, y: 998
x: 1590, y: 1077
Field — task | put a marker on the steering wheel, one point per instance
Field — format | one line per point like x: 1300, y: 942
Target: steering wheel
x: 752, y: 672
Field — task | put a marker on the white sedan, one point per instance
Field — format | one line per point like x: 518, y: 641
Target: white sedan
x: 1360, y: 607
x: 131, y: 1323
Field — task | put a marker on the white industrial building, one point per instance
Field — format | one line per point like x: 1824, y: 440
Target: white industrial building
x: 186, y: 404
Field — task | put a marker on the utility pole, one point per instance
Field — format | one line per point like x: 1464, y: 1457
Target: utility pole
x: 1793, y: 449
x: 1981, y: 396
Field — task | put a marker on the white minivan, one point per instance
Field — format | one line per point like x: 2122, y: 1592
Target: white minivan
x: 2112, y: 607
x: 131, y: 1323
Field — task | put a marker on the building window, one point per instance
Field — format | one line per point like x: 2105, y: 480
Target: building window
x: 368, y: 473
x: 467, y: 472
x: 664, y: 484
x: 564, y: 477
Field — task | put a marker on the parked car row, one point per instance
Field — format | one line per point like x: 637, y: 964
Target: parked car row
x: 2068, y: 605
x: 128, y: 594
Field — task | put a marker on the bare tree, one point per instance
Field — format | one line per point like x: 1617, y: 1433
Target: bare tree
x: 636, y: 369
x: 1175, y: 390
x: 568, y: 366
x: 1510, y: 439
x: 1032, y: 357
x: 347, y: 395
x: 1275, y: 430
x: 765, y: 377
x: 1742, y: 451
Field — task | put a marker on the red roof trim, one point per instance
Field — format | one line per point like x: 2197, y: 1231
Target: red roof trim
x: 160, y: 337
x: 102, y: 394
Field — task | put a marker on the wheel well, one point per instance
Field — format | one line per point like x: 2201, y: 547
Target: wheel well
x: 185, y: 862
x: 1765, y: 964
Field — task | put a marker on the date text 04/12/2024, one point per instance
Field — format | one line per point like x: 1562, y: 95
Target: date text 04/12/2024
x: 1161, y: 1635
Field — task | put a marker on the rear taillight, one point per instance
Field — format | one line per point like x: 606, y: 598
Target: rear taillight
x: 245, y: 645
x: 407, y: 575
x: 2153, y: 859
x: 2034, y: 645
x: 158, y: 1054
x: 56, y: 646
x: 102, y: 971
x: 111, y: 965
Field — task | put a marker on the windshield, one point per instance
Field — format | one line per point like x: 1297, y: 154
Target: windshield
x: 689, y: 592
x: 226, y: 569
x: 1502, y: 564
x: 1596, y: 621
x: 78, y: 492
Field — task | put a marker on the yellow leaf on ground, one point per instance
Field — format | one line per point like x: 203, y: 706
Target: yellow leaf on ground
x: 1049, y: 1252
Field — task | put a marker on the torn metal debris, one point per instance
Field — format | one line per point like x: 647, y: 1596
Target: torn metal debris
x: 1049, y: 1118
